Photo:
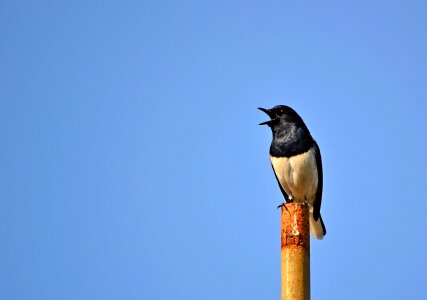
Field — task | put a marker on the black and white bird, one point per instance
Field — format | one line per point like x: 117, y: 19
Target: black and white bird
x: 296, y: 161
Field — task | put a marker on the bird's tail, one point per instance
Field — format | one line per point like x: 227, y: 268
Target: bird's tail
x: 317, y: 228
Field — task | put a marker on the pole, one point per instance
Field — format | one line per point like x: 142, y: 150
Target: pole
x: 295, y: 252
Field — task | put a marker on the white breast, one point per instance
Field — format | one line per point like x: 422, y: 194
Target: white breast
x: 297, y: 175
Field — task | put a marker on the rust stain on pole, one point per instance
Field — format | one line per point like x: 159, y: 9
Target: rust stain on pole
x: 295, y: 253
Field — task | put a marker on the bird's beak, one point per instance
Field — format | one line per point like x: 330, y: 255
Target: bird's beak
x: 270, y: 114
x: 266, y: 123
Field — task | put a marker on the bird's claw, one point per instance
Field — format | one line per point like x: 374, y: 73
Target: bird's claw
x: 284, y: 205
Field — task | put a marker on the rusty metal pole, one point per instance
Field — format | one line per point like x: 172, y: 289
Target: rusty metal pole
x: 295, y: 253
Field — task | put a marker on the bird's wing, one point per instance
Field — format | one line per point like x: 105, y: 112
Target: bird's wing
x: 318, y: 200
x: 281, y: 188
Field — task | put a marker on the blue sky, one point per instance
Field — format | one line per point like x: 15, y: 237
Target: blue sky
x: 132, y: 165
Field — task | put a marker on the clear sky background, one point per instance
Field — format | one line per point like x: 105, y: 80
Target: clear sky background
x: 132, y: 165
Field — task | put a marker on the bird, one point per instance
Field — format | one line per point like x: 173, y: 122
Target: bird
x: 297, y: 163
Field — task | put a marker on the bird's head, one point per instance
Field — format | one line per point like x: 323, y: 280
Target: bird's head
x: 280, y: 114
x: 283, y: 120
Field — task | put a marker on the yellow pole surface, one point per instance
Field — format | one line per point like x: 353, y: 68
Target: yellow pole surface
x: 295, y: 253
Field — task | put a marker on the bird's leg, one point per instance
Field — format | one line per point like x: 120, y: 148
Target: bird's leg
x: 289, y: 200
x: 306, y: 202
x: 284, y: 204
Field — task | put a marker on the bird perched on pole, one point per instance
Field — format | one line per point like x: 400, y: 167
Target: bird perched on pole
x: 296, y: 161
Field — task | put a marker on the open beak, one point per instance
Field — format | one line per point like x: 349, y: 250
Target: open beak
x: 270, y: 114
